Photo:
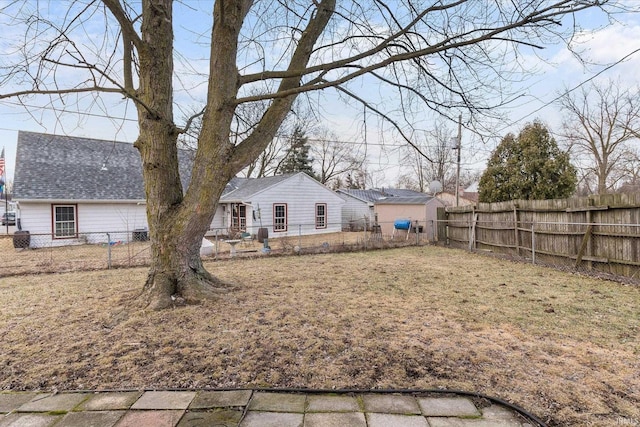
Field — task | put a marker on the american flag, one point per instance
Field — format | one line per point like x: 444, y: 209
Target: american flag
x: 2, y: 163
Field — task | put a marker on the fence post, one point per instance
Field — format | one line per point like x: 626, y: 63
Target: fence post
x: 364, y: 238
x: 433, y: 232
x: 108, y: 251
x: 515, y: 228
x: 472, y: 235
x: 216, y: 245
x: 300, y: 236
x: 533, y: 244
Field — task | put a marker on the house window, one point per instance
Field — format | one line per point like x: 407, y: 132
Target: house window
x: 280, y: 217
x: 321, y: 215
x: 239, y: 217
x: 64, y: 221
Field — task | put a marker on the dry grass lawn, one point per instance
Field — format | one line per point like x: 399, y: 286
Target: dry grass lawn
x: 565, y: 347
x: 96, y: 256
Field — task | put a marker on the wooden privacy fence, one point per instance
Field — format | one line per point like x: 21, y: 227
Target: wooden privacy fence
x: 596, y: 233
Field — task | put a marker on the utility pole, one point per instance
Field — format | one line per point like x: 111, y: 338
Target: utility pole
x: 459, y: 148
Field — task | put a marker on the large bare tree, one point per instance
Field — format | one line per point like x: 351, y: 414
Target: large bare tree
x: 600, y: 121
x: 333, y: 159
x: 445, y: 55
x: 434, y: 161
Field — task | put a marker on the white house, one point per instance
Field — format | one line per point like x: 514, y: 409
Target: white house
x: 285, y: 205
x: 71, y: 190
x: 358, y: 212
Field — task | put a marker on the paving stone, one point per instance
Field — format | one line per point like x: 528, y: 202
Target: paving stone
x: 12, y: 401
x: 448, y: 407
x: 110, y: 401
x: 29, y: 420
x: 396, y: 420
x: 272, y: 419
x: 332, y: 403
x: 390, y: 404
x: 53, y: 402
x: 324, y: 419
x: 217, y: 418
x: 497, y: 412
x: 220, y: 399
x: 91, y: 419
x: 150, y: 419
x: 277, y: 402
x: 164, y: 400
x: 461, y: 422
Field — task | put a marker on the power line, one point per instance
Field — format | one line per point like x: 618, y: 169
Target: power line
x: 364, y: 143
x: 58, y: 110
x: 576, y: 87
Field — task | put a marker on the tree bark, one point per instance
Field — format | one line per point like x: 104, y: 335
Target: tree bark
x: 178, y: 221
x: 176, y: 228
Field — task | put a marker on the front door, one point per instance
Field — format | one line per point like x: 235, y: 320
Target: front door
x: 239, y: 217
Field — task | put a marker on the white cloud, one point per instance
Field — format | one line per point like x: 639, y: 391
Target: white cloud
x: 602, y: 48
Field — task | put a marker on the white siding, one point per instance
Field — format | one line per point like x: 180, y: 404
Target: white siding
x: 222, y: 219
x: 354, y: 213
x: 93, y: 220
x: 301, y: 194
x: 219, y: 223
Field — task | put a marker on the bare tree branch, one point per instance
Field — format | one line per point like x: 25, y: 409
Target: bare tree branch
x: 126, y: 23
x: 599, y: 122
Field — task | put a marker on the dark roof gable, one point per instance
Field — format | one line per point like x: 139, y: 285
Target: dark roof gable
x: 56, y: 167
x: 387, y: 195
x: 247, y: 187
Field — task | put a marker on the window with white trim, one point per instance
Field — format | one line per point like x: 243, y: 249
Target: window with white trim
x: 239, y: 217
x: 321, y: 215
x: 64, y: 221
x: 280, y: 217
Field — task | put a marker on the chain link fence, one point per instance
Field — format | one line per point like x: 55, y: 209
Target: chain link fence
x: 24, y: 253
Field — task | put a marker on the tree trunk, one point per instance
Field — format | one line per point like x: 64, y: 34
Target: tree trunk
x: 176, y: 271
x: 178, y: 220
x: 177, y: 275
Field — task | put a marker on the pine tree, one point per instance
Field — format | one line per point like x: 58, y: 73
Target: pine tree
x: 529, y: 166
x: 297, y: 158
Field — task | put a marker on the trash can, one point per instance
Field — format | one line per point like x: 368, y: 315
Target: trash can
x: 263, y: 233
x: 140, y: 235
x: 21, y: 239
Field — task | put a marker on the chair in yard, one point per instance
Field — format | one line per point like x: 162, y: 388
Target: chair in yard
x: 247, y: 239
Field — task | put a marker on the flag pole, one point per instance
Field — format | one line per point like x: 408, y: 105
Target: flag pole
x: 3, y: 176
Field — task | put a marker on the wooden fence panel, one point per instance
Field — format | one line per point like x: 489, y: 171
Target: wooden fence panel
x: 597, y: 232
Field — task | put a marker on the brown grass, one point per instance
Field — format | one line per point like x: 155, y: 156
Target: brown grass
x: 96, y: 256
x: 565, y: 347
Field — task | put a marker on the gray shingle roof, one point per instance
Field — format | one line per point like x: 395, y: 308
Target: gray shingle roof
x: 247, y: 187
x: 388, y: 196
x: 364, y: 195
x: 56, y: 167
x: 402, y: 192
x: 415, y: 200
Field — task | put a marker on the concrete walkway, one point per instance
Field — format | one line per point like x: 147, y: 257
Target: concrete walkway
x: 247, y: 408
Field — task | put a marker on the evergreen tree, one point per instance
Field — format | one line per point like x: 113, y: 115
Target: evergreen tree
x: 297, y: 158
x: 529, y: 166
x: 356, y: 180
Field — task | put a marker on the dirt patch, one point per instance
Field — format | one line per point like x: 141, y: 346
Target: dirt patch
x: 564, y: 346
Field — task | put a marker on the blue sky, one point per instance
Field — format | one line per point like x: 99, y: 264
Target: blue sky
x: 559, y: 70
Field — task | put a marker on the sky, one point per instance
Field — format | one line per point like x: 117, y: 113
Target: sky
x: 555, y: 68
